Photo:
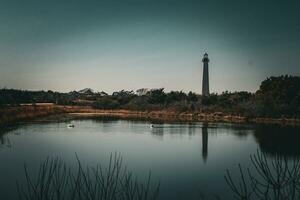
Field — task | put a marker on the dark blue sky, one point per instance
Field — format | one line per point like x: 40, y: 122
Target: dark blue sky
x: 112, y: 45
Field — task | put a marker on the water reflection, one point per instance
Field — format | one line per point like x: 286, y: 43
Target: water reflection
x: 158, y: 131
x: 176, y: 153
x: 4, y: 141
x: 191, y: 130
x: 278, y: 140
x: 272, y: 139
x: 204, y: 142
x: 4, y: 138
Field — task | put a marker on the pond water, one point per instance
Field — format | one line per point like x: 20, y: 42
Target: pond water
x: 189, y: 159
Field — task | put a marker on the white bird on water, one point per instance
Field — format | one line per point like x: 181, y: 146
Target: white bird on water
x: 151, y: 125
x: 71, y: 125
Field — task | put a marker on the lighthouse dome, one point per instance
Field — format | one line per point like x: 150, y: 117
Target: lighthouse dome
x: 205, y: 58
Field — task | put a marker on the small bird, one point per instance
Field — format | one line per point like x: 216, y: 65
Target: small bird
x: 151, y: 125
x: 71, y: 125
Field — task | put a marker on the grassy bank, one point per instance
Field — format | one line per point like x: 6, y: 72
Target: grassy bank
x: 13, y: 114
x: 183, y: 116
x: 160, y: 115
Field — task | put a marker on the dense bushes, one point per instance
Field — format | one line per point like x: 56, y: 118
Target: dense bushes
x: 276, y: 97
x: 279, y: 96
x: 106, y: 103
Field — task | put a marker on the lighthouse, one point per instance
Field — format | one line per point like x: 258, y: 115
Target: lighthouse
x: 205, y: 79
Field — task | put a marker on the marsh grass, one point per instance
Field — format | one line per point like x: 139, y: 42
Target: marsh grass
x: 57, y: 181
x: 11, y: 114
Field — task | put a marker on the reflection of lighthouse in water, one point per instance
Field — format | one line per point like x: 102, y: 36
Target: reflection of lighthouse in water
x: 204, y: 141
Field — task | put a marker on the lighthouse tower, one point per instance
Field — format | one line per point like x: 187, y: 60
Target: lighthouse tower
x: 205, y: 80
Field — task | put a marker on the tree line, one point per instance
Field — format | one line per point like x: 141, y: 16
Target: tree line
x: 276, y: 97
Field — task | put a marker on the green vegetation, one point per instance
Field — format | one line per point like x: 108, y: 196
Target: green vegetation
x: 279, y: 96
x: 276, y: 97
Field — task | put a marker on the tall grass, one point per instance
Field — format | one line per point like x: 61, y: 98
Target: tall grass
x: 57, y: 181
x: 16, y: 113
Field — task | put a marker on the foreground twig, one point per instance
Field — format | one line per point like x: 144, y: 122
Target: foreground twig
x: 56, y: 181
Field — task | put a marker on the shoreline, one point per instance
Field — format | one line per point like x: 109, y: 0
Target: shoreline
x: 185, y: 117
x: 16, y: 114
